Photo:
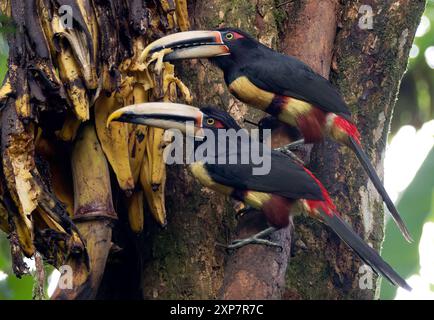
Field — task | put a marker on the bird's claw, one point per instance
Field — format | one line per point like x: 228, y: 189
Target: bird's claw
x: 238, y: 243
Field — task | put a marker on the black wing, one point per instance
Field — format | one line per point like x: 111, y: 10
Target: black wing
x: 288, y: 76
x: 285, y: 178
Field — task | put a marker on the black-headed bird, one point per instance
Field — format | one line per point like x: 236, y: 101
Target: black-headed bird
x: 280, y: 85
x: 287, y: 187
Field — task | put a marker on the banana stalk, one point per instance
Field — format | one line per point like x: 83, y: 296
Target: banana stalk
x: 93, y: 214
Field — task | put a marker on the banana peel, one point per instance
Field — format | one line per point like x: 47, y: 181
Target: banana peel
x: 114, y: 141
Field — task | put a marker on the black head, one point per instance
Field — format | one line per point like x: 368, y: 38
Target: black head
x: 241, y: 45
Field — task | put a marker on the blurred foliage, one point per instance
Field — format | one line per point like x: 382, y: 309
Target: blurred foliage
x: 6, y: 24
x: 12, y: 288
x: 415, y: 104
x: 416, y: 207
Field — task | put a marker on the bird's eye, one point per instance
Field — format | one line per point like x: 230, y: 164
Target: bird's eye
x: 210, y: 121
x: 229, y: 36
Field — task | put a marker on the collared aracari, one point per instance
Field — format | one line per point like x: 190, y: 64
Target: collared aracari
x: 287, y: 188
x: 278, y: 84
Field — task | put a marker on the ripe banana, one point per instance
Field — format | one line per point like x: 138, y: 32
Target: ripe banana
x: 88, y: 55
x: 137, y: 134
x: 70, y: 75
x: 182, y: 15
x: 154, y: 187
x: 155, y: 149
x: 136, y: 212
x: 114, y: 141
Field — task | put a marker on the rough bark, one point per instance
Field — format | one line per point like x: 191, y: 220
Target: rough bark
x: 367, y: 68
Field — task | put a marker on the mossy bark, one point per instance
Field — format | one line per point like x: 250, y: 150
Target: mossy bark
x: 367, y: 67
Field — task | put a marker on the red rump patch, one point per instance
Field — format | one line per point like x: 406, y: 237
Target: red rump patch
x: 347, y: 127
x: 277, y: 211
x: 312, y: 125
x: 327, y: 205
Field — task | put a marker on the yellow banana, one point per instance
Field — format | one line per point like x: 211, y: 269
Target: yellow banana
x: 136, y: 217
x: 154, y: 194
x: 71, y: 77
x: 158, y: 166
x: 182, y: 15
x: 114, y: 141
x: 91, y: 56
x: 137, y: 134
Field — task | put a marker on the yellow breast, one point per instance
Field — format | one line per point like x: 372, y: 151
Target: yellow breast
x: 289, y: 108
x: 256, y: 199
x: 201, y: 174
x: 247, y: 92
x: 253, y: 198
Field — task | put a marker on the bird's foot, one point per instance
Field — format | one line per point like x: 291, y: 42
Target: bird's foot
x: 255, y: 239
x: 239, y: 243
x: 294, y: 145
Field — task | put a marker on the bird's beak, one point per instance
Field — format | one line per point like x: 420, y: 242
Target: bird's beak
x: 187, y: 119
x: 189, y: 45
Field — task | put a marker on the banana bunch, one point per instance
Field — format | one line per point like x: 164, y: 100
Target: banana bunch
x: 66, y: 75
